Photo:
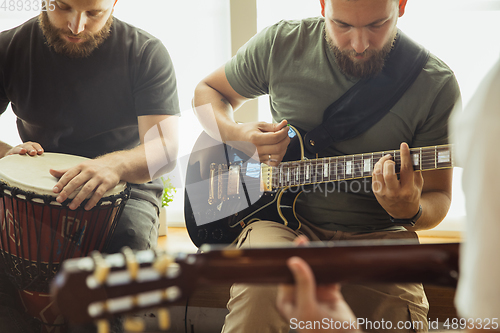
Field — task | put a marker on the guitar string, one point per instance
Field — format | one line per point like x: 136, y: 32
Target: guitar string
x: 257, y: 187
x: 428, y: 160
x: 339, y: 176
x: 426, y: 164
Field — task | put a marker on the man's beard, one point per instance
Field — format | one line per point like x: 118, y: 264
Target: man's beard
x: 370, y: 67
x: 83, y: 49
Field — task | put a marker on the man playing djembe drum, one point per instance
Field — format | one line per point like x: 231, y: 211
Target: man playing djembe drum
x: 84, y: 83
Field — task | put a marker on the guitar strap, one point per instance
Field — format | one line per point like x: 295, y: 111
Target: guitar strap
x: 369, y: 100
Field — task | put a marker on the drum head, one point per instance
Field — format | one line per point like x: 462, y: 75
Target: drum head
x: 31, y: 173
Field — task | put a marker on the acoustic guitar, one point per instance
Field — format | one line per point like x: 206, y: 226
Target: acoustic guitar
x: 98, y: 288
x: 226, y: 188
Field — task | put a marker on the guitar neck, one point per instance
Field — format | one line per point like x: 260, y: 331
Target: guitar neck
x: 162, y: 281
x: 331, y: 169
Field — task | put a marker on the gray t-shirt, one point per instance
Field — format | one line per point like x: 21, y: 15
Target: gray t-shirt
x: 292, y: 62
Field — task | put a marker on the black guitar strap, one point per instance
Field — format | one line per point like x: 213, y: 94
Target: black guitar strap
x: 368, y: 101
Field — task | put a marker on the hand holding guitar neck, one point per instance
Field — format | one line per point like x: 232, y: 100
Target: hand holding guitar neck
x: 400, y: 197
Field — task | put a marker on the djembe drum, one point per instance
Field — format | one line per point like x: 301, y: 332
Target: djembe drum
x: 37, y: 233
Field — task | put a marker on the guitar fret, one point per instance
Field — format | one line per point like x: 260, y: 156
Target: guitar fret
x: 341, y: 169
x: 281, y: 174
x: 308, y: 172
x: 274, y: 175
x: 319, y: 171
x: 333, y: 168
x: 355, y: 168
x: 367, y: 165
x: 397, y: 160
x: 358, y: 166
x: 313, y: 171
x: 295, y: 169
x: 444, y: 157
x: 435, y: 158
x: 348, y: 168
x: 316, y: 176
x: 415, y: 159
x: 421, y: 159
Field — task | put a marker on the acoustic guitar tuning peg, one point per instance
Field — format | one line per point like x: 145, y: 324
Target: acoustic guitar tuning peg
x: 162, y: 263
x: 163, y: 319
x: 131, y: 260
x: 134, y: 324
x: 101, y: 269
x: 102, y: 326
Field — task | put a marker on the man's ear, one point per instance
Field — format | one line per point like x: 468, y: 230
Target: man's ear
x: 402, y: 7
x: 322, y: 7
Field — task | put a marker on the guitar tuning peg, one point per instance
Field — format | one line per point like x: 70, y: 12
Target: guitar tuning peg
x: 131, y: 260
x: 102, y: 326
x: 162, y: 263
x: 134, y: 324
x: 172, y: 294
x: 101, y: 269
x: 163, y: 319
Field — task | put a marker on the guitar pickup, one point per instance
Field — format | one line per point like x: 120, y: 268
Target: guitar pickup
x: 233, y: 184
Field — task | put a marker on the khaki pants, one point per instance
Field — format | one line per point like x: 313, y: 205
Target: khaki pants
x: 383, y: 307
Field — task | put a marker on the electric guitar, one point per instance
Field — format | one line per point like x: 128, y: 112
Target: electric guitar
x: 226, y: 188
x: 95, y: 288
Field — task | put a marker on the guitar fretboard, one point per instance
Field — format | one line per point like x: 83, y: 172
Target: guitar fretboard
x: 330, y: 169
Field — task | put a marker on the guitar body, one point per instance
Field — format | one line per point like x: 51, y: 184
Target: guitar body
x: 226, y: 189
x: 216, y: 210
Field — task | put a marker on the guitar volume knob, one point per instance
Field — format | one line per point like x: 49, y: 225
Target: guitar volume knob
x: 202, y: 234
x: 217, y: 234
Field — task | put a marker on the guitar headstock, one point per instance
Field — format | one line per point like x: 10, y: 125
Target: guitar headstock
x: 96, y: 288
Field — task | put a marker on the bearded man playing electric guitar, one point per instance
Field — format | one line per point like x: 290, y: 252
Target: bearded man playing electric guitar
x: 344, y: 79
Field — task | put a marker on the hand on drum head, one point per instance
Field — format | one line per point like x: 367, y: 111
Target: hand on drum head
x: 30, y: 148
x: 95, y: 176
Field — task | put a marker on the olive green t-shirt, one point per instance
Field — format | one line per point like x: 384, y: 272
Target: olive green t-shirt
x: 292, y: 63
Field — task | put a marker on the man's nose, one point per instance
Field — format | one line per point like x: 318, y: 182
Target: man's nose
x: 77, y: 23
x: 359, y: 40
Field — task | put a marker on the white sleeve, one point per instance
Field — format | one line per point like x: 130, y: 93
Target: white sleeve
x: 476, y: 134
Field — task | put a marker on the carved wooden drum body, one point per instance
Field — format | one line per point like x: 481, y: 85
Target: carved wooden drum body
x: 37, y: 233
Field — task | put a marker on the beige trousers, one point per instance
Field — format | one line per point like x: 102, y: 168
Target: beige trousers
x: 252, y: 308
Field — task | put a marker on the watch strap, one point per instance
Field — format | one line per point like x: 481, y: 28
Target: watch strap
x: 410, y: 221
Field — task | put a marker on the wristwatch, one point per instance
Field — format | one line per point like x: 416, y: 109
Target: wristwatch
x: 410, y: 221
